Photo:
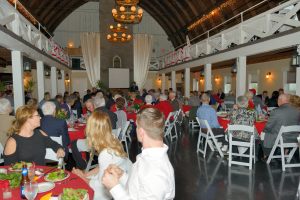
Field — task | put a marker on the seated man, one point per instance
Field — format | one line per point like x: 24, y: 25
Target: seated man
x: 99, y: 104
x: 55, y: 127
x: 164, y: 106
x: 221, y: 94
x: 173, y: 101
x: 57, y: 101
x: 156, y: 96
x: 284, y: 115
x: 152, y: 175
x: 69, y: 103
x: 111, y: 101
x: 148, y: 101
x: 206, y: 112
x: 194, y: 100
x: 264, y: 97
x: 230, y: 97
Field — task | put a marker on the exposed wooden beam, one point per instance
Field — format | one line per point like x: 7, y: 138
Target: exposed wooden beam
x: 250, y: 4
x: 49, y: 9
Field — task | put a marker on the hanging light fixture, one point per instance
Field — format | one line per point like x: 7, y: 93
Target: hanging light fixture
x: 233, y: 68
x: 67, y: 78
x: 47, y: 71
x: 182, y: 76
x: 295, y: 59
x: 202, y: 72
x: 59, y: 76
x: 27, y: 65
x: 127, y: 11
x: 170, y: 78
x: 118, y: 29
x: 117, y: 39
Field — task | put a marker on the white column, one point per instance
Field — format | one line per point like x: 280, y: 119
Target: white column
x: 63, y: 82
x: 163, y: 82
x: 18, y: 79
x: 187, y: 82
x: 40, y: 79
x: 173, y: 82
x: 207, y: 77
x: 241, y: 76
x: 53, y: 82
x: 298, y: 81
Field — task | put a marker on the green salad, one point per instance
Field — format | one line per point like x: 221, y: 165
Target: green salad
x: 20, y: 164
x: 259, y: 120
x: 71, y: 194
x: 223, y: 113
x: 58, y: 175
x: 13, y: 178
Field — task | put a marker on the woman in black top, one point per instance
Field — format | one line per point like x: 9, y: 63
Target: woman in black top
x: 26, y: 143
x: 273, y: 102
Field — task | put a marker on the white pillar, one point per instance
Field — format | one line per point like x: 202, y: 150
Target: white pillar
x: 163, y: 82
x: 187, y: 82
x: 63, y: 82
x: 173, y: 81
x: 207, y: 77
x: 40, y: 79
x: 241, y: 76
x: 53, y: 82
x: 298, y: 81
x: 18, y: 79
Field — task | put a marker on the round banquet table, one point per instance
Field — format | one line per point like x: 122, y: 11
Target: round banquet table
x: 58, y: 189
x: 78, y: 134
x: 224, y: 123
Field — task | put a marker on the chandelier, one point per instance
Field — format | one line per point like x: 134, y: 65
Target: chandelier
x: 127, y: 11
x: 118, y: 39
x: 119, y: 29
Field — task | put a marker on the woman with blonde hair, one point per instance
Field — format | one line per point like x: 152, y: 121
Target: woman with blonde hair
x: 33, y: 102
x: 26, y: 143
x: 295, y: 101
x: 46, y: 98
x: 100, y: 138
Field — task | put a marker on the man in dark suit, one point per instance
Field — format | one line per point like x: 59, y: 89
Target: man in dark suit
x: 284, y: 115
x: 220, y: 94
x: 69, y: 103
x: 77, y: 105
x: 264, y: 97
x: 55, y: 127
x: 87, y: 96
x: 57, y: 100
x: 144, y: 93
x: 99, y: 103
x: 138, y: 96
x: 133, y: 88
x: 111, y: 101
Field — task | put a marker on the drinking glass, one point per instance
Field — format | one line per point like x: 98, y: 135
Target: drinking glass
x: 31, y: 190
x: 31, y: 173
x: 72, y: 122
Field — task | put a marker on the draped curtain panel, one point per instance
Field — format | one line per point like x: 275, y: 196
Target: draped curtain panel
x: 142, y: 50
x: 90, y: 44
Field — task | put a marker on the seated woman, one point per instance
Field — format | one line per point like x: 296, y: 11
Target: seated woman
x: 148, y: 100
x: 273, y: 102
x: 34, y: 103
x: 110, y: 151
x: 46, y: 98
x: 242, y: 116
x: 26, y: 143
x: 133, y: 98
x: 121, y: 115
x: 295, y: 101
x: 5, y: 119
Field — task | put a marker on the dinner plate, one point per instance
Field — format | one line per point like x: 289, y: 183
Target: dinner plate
x: 46, y: 178
x: 86, y: 197
x: 45, y: 187
x: 81, y: 124
x: 72, y: 129
x: 14, y: 170
x: 3, y: 171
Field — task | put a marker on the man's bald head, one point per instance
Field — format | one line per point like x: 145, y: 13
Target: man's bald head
x: 283, y: 99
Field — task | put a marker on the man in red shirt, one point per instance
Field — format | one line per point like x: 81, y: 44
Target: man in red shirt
x: 164, y: 106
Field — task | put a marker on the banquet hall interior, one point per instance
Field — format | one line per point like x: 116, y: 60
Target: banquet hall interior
x: 228, y: 69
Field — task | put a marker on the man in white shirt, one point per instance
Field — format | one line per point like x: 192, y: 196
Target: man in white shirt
x: 152, y: 175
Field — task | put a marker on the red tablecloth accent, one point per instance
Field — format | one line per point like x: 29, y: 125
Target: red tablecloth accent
x: 265, y: 108
x: 84, y: 111
x: 131, y: 116
x: 186, y: 108
x: 78, y: 134
x: 58, y: 189
x: 221, y: 101
x: 259, y: 125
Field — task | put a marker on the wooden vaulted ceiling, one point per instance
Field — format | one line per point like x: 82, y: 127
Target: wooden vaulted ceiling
x: 174, y: 16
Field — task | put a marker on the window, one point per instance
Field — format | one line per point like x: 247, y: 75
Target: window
x: 227, y: 88
x: 292, y: 88
x: 253, y: 86
x: 195, y: 85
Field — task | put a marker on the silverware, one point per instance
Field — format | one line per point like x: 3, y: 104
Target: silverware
x: 55, y: 166
x: 66, y: 181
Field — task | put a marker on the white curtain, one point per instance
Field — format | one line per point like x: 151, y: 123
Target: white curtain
x: 142, y: 50
x: 90, y: 44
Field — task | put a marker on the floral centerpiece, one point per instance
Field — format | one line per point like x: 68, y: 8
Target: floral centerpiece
x: 61, y: 114
x: 185, y: 100
x: 138, y: 104
x: 250, y: 106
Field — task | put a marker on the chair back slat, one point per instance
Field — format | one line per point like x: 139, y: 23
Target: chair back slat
x: 122, y: 136
x: 287, y: 129
x: 116, y: 132
x: 240, y: 128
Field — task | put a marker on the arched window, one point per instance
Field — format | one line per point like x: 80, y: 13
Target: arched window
x: 117, y: 62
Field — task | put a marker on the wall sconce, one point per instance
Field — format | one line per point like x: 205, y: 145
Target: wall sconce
x: 159, y: 80
x: 27, y: 65
x: 216, y: 79
x: 233, y: 68
x: 268, y: 75
x: 70, y: 44
x: 295, y: 59
x: 59, y: 75
x: 67, y: 78
x: 201, y: 80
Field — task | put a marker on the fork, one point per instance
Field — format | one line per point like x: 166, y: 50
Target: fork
x: 66, y: 181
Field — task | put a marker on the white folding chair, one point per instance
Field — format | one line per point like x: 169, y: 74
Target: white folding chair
x: 116, y: 132
x: 210, y: 138
x: 51, y: 155
x: 224, y: 107
x: 250, y: 145
x: 1, y: 153
x: 279, y: 143
x: 123, y: 136
x: 169, y: 125
x: 181, y: 116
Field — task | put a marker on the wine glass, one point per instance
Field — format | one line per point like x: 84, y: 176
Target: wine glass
x: 31, y: 190
x: 72, y: 122
x: 31, y: 173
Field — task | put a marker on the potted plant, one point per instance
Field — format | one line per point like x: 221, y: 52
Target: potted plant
x: 101, y: 85
x: 29, y: 87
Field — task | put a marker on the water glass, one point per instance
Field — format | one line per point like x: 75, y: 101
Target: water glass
x: 6, y: 192
x: 31, y: 190
x: 31, y: 173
